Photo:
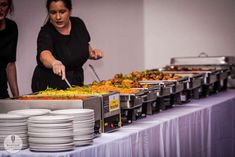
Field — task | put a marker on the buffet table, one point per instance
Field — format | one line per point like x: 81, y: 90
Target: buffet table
x: 201, y: 128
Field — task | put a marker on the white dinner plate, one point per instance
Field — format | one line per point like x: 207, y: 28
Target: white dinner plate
x: 51, y: 119
x: 84, y: 137
x: 12, y: 124
x: 91, y: 120
x: 49, y: 130
x: 13, y: 133
x: 51, y: 140
x: 52, y: 134
x: 74, y: 111
x: 6, y: 116
x: 55, y: 125
x: 84, y: 117
x: 13, y: 121
x: 83, y: 143
x: 30, y: 112
x: 76, y: 127
x: 53, y: 145
x: 13, y: 128
x: 51, y: 149
x: 22, y: 135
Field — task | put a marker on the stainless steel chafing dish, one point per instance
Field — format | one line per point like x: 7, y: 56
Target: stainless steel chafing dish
x: 155, y: 99
x: 131, y: 106
x: 216, y: 69
x: 192, y: 86
x: 169, y: 89
x: 164, y: 91
x: 129, y: 101
x: 150, y: 104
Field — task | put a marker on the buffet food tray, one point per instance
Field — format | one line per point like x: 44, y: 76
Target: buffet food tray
x: 192, y: 87
x: 129, y: 101
x: 222, y: 64
x: 136, y: 106
x: 216, y: 69
x: 131, y: 106
x: 193, y: 80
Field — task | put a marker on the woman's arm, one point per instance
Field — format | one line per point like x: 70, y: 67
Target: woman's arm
x: 95, y: 53
x: 12, y: 78
x: 49, y: 61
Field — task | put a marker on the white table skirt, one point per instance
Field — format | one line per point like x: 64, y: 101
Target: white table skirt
x: 202, y: 128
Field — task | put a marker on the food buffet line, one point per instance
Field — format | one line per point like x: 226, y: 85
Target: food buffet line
x: 128, y: 97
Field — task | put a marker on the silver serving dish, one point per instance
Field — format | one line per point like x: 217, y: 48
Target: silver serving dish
x: 191, y: 81
x: 131, y: 101
x: 216, y: 68
x: 204, y: 59
x: 166, y: 87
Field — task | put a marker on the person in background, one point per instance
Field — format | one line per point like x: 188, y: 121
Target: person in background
x: 8, y: 45
x: 62, y: 48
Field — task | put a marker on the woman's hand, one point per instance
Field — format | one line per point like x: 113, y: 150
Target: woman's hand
x: 58, y: 68
x: 49, y: 61
x: 95, y: 53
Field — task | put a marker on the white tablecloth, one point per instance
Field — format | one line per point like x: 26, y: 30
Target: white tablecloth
x: 202, y: 128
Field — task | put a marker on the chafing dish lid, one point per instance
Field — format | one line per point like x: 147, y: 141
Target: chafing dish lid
x: 203, y: 59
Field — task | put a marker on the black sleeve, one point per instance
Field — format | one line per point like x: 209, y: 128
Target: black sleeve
x: 86, y: 34
x: 14, y: 43
x: 44, y: 42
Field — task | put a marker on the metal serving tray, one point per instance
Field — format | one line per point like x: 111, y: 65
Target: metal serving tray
x: 216, y: 69
x: 131, y: 106
x: 130, y: 101
x: 193, y: 80
x: 166, y: 87
x: 192, y: 87
x: 203, y: 59
x: 225, y: 64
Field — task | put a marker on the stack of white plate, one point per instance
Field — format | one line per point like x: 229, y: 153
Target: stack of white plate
x: 30, y: 112
x: 13, y: 125
x: 84, y: 122
x: 50, y: 133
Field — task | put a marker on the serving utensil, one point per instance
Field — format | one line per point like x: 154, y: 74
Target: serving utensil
x: 93, y: 70
x: 67, y: 82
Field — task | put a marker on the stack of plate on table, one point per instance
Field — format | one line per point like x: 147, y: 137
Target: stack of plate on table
x: 84, y: 122
x: 13, y: 126
x: 30, y: 112
x: 50, y: 133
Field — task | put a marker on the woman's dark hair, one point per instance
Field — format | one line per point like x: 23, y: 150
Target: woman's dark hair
x: 10, y: 6
x: 67, y: 3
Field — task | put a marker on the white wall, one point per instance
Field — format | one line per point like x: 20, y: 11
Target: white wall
x: 186, y: 28
x: 116, y: 27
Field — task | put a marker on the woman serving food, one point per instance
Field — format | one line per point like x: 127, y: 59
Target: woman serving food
x: 62, y: 48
